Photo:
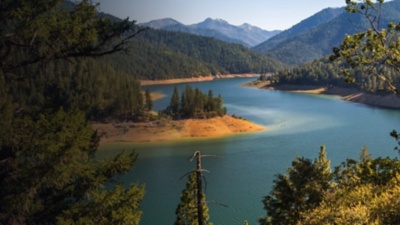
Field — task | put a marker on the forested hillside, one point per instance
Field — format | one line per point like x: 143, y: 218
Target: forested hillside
x: 51, y: 86
x: 321, y: 72
x: 303, y: 26
x: 79, y: 84
x: 367, y: 60
x: 159, y: 54
x: 318, y: 41
x: 324, y: 72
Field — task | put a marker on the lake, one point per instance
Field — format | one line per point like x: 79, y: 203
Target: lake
x: 298, y: 124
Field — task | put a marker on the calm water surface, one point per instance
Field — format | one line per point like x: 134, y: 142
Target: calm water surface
x: 298, y: 124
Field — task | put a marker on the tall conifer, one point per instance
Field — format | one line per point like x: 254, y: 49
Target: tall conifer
x: 299, y: 190
x: 48, y: 172
x: 186, y: 213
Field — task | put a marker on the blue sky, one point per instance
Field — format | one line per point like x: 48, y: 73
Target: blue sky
x: 266, y: 14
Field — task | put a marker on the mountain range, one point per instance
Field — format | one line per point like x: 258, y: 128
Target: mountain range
x: 310, y: 39
x: 244, y: 34
x: 303, y: 26
x: 315, y: 36
x: 173, y: 49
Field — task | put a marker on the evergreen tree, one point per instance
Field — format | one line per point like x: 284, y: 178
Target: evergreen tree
x: 149, y: 102
x: 52, y: 176
x: 186, y: 213
x: 174, y: 105
x: 48, y: 172
x: 195, y: 104
x: 298, y: 191
x: 365, y: 192
x: 31, y: 30
x: 374, y: 50
x: 210, y: 101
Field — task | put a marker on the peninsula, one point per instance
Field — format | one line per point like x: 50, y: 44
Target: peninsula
x: 383, y: 100
x: 172, y: 130
x: 195, y: 115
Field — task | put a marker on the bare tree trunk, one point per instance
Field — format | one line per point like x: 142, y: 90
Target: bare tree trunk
x: 199, y: 190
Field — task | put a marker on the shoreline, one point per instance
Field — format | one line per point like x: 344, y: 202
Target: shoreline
x: 155, y: 96
x: 170, y: 130
x: 382, y: 100
x: 197, y: 79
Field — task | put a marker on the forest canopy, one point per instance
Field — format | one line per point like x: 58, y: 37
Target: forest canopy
x: 49, y: 88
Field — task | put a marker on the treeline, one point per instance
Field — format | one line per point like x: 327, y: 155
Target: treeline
x: 363, y: 191
x: 324, y: 72
x: 150, y: 62
x: 318, y: 72
x: 194, y: 104
x: 51, y: 88
x: 83, y: 84
x: 159, y: 54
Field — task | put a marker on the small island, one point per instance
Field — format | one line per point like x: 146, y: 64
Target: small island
x: 193, y: 115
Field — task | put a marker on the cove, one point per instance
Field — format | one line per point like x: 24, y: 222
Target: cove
x: 298, y: 124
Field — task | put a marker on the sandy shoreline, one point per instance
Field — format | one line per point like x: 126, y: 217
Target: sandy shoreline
x: 162, y: 131
x: 196, y: 79
x: 383, y: 100
x: 155, y: 96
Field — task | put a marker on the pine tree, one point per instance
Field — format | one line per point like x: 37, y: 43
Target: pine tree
x: 210, y: 101
x: 48, y: 170
x: 149, y: 102
x: 195, y: 104
x: 300, y: 190
x: 186, y: 213
x: 53, y: 177
x: 373, y: 50
x: 174, y: 104
x: 365, y: 192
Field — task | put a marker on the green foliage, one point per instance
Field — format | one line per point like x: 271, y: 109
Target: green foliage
x: 314, y: 37
x: 319, y: 72
x: 357, y: 192
x: 366, y: 204
x: 375, y: 50
x: 174, y: 104
x: 160, y: 54
x: 84, y: 84
x: 43, y: 43
x: 186, y: 213
x: 365, y: 192
x: 194, y: 104
x: 41, y: 31
x: 324, y: 72
x: 149, y: 102
x: 300, y: 190
x: 263, y: 77
x: 48, y: 173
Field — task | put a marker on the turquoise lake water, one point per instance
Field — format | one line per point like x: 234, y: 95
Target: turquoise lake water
x: 298, y: 124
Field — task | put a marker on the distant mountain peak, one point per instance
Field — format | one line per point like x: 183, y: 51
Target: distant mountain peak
x: 249, y: 27
x: 245, y: 34
x: 162, y: 23
x: 211, y: 20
